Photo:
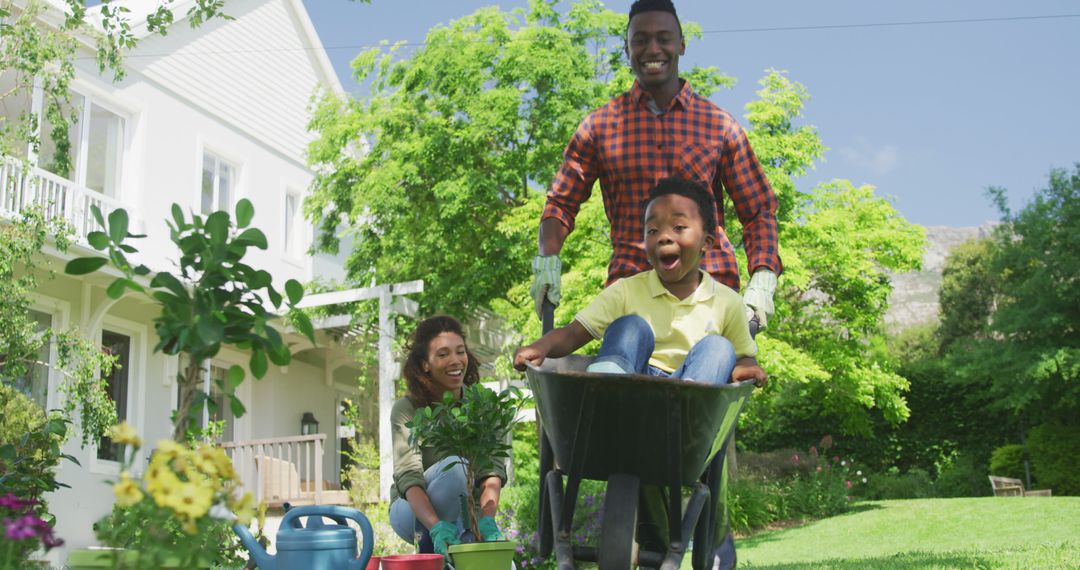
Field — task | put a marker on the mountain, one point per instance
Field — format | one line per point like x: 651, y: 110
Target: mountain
x: 914, y: 298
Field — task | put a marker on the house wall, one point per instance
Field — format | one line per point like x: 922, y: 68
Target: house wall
x: 249, y: 109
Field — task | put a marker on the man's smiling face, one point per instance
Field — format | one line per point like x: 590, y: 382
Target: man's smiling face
x: 654, y: 43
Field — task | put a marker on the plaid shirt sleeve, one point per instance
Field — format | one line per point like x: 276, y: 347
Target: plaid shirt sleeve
x: 574, y: 181
x: 754, y: 200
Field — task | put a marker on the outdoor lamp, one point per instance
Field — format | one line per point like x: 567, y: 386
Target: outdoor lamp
x: 308, y: 424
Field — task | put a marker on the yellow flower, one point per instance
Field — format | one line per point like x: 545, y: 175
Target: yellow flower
x: 168, y: 449
x: 127, y: 492
x: 244, y: 509
x: 124, y: 433
x: 162, y: 484
x: 192, y: 500
x: 188, y: 525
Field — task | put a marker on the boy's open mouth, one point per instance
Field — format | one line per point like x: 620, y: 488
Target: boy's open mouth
x: 669, y: 261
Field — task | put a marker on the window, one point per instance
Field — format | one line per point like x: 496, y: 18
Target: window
x: 35, y: 382
x: 213, y: 380
x: 96, y: 146
x: 293, y: 239
x: 120, y: 346
x: 218, y: 181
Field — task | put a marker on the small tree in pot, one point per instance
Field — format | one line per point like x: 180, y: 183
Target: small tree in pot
x: 475, y: 428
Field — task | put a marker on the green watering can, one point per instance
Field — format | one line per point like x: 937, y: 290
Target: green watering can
x: 317, y: 546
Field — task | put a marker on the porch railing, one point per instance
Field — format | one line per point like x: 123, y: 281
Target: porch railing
x: 22, y: 186
x: 280, y: 469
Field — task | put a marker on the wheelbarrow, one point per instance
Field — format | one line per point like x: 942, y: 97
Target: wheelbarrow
x: 632, y: 430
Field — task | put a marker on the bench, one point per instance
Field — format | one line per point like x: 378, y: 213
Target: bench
x: 1009, y: 487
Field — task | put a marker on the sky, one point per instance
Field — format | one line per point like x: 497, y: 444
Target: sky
x: 929, y: 110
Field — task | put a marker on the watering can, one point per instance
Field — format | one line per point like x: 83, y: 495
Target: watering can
x: 317, y: 546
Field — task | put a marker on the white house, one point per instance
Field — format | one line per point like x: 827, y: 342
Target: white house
x: 204, y: 117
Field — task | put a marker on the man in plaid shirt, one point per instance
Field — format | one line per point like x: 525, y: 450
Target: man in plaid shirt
x: 661, y: 128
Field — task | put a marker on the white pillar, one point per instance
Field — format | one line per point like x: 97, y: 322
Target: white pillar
x: 387, y: 371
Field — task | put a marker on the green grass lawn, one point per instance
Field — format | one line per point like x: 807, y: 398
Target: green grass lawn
x: 1013, y: 532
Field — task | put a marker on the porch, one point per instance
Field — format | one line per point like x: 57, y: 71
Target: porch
x: 283, y: 470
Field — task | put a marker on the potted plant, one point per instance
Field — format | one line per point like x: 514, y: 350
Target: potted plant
x: 474, y: 428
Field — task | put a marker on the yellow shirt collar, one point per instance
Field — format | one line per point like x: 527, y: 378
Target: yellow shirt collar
x: 705, y: 289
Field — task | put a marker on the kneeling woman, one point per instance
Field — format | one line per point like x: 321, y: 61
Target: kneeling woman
x: 425, y: 496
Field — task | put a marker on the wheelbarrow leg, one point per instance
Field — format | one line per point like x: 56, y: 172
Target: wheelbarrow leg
x: 547, y: 465
x: 714, y: 545
x: 564, y: 551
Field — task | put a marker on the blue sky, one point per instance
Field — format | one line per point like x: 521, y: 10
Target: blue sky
x: 930, y: 114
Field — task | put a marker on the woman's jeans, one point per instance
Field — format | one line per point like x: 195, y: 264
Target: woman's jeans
x: 444, y: 489
x: 629, y: 342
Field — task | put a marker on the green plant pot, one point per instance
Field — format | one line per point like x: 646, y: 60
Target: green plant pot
x: 88, y: 558
x: 101, y: 558
x: 498, y: 555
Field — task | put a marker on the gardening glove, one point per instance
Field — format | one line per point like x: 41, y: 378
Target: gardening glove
x: 758, y: 296
x: 489, y: 531
x: 443, y: 534
x: 547, y: 274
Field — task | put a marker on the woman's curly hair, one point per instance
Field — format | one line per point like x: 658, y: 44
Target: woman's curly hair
x: 421, y: 389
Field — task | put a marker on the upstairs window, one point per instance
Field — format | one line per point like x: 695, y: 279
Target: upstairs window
x: 218, y: 184
x: 291, y: 226
x: 95, y: 146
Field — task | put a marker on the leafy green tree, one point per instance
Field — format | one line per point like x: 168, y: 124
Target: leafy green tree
x: 213, y: 300
x: 1015, y: 333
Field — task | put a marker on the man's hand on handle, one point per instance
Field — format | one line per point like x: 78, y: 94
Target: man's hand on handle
x: 547, y: 276
x: 758, y: 296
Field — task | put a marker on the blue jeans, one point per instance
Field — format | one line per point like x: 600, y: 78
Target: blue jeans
x: 443, y: 489
x: 629, y: 342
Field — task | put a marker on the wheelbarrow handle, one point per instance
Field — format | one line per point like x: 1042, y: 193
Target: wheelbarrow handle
x: 547, y: 316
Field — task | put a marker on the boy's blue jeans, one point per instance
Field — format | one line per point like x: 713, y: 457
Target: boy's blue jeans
x: 629, y: 342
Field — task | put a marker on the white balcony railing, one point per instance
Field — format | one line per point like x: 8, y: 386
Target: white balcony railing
x: 59, y: 198
x: 283, y: 470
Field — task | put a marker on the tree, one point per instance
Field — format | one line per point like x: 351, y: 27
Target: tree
x: 1017, y: 335
x: 213, y: 300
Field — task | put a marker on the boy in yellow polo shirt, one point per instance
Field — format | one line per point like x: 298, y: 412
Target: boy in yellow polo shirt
x: 674, y: 320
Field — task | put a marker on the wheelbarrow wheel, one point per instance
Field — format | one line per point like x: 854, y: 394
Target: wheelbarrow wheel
x: 620, y: 522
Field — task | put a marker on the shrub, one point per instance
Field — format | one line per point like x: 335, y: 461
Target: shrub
x: 1054, y: 450
x: 18, y: 414
x: 823, y: 487
x: 755, y: 503
x: 1008, y: 461
x: 962, y: 476
x: 914, y: 484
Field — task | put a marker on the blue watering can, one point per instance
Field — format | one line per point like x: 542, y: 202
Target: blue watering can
x: 317, y: 546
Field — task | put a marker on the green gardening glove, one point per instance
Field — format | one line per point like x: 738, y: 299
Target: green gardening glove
x: 547, y: 274
x: 443, y: 534
x: 489, y: 531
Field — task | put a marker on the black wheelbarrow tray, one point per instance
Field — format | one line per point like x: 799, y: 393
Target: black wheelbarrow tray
x: 631, y: 430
